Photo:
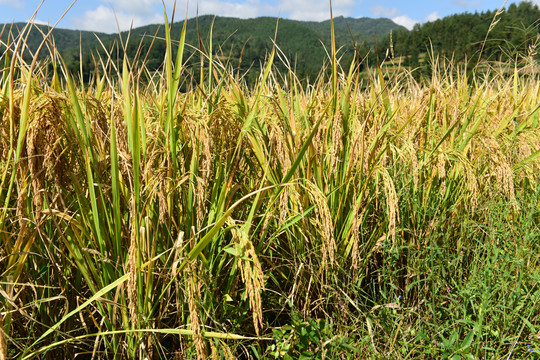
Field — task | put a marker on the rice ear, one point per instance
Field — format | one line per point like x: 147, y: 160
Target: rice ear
x: 251, y: 272
x: 194, y: 288
x: 392, y: 203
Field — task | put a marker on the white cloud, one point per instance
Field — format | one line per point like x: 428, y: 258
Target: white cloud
x: 314, y: 10
x: 405, y: 20
x: 394, y: 14
x: 142, y: 12
x: 103, y: 19
x: 41, y: 22
x: 134, y: 6
x: 151, y: 8
x: 383, y: 11
x: 246, y: 9
x: 433, y: 16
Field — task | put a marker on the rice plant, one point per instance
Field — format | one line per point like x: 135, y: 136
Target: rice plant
x: 359, y: 216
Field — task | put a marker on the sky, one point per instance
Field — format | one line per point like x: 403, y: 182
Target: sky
x: 111, y: 15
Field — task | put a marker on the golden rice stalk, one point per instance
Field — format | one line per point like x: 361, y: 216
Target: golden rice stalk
x: 200, y: 196
x: 410, y: 153
x: 358, y: 145
x: 337, y: 144
x: 214, y: 354
x: 471, y: 180
x: 98, y: 123
x: 523, y: 146
x: 227, y: 351
x: 120, y: 126
x: 45, y: 155
x: 355, y: 235
x: 283, y: 205
x: 251, y: 272
x: 5, y: 124
x: 178, y: 252
x: 280, y: 155
x: 132, y: 279
x: 503, y: 171
x: 324, y: 225
x: 157, y: 176
x: 203, y: 140
x: 177, y: 259
x: 278, y: 148
x: 21, y: 201
x: 319, y: 142
x: 194, y: 289
x: 207, y: 143
x: 225, y: 128
x: 392, y: 203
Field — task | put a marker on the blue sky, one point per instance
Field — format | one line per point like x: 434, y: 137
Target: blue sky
x: 99, y: 15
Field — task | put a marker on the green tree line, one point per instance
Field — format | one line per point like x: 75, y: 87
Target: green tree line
x: 469, y: 37
x: 243, y: 44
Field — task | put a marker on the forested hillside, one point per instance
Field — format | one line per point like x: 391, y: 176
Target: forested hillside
x: 494, y: 36
x: 243, y: 42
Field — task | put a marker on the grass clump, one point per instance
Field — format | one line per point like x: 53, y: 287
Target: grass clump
x: 348, y: 218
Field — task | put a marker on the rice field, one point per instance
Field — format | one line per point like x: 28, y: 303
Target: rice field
x: 356, y: 217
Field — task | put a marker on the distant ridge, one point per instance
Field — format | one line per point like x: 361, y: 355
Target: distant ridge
x: 247, y: 40
x: 244, y: 43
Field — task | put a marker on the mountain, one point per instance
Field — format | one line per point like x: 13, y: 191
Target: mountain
x: 245, y: 42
